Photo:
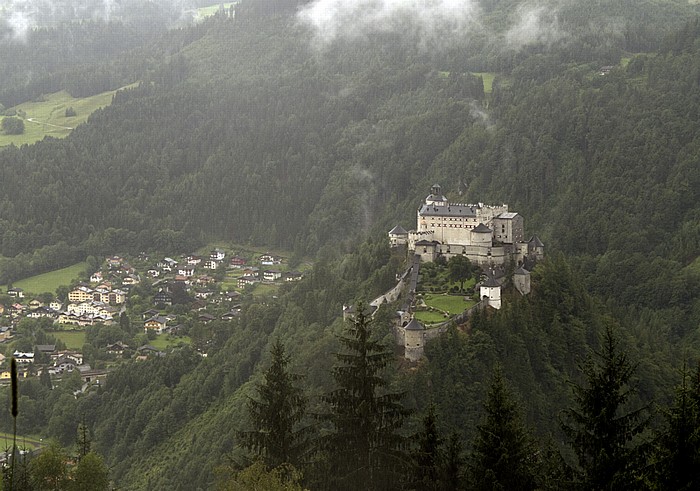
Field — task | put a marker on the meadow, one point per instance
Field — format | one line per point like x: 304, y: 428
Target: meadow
x: 165, y: 340
x: 47, y: 117
x: 74, y: 340
x: 487, y: 77
x: 205, y: 12
x: 48, y: 282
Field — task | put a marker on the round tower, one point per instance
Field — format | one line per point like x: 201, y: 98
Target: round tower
x: 414, y: 340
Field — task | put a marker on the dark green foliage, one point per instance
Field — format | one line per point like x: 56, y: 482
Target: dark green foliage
x: 363, y: 449
x: 678, y: 449
x: 459, y: 269
x: 429, y: 456
x: 602, y: 429
x: 276, y: 413
x: 503, y: 455
x: 12, y: 125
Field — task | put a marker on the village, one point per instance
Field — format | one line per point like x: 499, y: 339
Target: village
x: 132, y: 308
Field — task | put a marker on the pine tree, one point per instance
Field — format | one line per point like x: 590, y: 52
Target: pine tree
x: 503, y: 451
x: 600, y: 429
x: 428, y: 457
x: 678, y: 449
x: 364, y: 449
x: 276, y: 415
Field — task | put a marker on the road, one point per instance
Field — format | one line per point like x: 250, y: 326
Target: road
x: 32, y: 120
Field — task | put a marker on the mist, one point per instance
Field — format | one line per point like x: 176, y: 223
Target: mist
x: 19, y: 17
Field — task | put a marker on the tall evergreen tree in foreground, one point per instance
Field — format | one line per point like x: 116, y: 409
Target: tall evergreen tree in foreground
x: 503, y: 453
x: 601, y: 430
x: 276, y: 415
x: 678, y: 449
x: 364, y: 449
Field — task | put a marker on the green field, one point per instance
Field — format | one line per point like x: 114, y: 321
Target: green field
x: 453, y: 304
x: 23, y: 442
x: 488, y: 80
x: 165, y: 340
x: 49, y: 116
x: 74, y: 339
x: 429, y: 317
x: 204, y: 12
x: 48, y: 282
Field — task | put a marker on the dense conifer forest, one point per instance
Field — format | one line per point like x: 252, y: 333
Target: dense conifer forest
x: 250, y: 128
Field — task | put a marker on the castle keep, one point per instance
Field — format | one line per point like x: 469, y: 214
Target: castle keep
x: 489, y: 235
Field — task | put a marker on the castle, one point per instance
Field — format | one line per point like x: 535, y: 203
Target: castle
x: 488, y: 235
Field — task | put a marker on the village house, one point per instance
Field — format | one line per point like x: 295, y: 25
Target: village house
x: 156, y: 323
x: 186, y: 271
x: 271, y: 275
x: 293, y: 276
x: 217, y: 255
x: 96, y: 277
x: 23, y: 358
x: 162, y: 297
x: 193, y: 260
x: 237, y: 262
x: 116, y: 348
x: 15, y: 292
x: 244, y: 281
x: 268, y: 259
x: 211, y: 264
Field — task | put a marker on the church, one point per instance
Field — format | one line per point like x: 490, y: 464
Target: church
x: 489, y: 235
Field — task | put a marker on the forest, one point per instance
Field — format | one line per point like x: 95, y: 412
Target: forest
x: 250, y: 128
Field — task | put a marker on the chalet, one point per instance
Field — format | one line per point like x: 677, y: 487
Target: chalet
x: 45, y: 349
x: 42, y: 312
x: 268, y: 259
x: 96, y: 277
x: 156, y: 323
x: 23, y: 358
x: 237, y: 262
x: 153, y: 273
x: 131, y: 279
x: 167, y: 264
x: 205, y: 318
x: 114, y: 262
x: 203, y: 294
x: 232, y: 296
x: 162, y: 298
x: 15, y: 292
x: 244, y: 281
x: 35, y: 304
x: 116, y: 348
x: 271, y: 275
x: 193, y: 260
x: 73, y: 356
x: 186, y: 271
x: 149, y: 313
x: 147, y: 350
x: 204, y: 280
x: 56, y: 306
x: 230, y: 315
x: 217, y: 255
x: 198, y: 305
x: 293, y: 276
x: 211, y: 264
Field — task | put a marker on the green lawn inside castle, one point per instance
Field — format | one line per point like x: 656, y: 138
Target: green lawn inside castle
x: 438, y: 297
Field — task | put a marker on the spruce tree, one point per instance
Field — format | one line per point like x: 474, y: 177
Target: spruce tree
x: 363, y: 449
x: 276, y: 414
x: 601, y: 430
x: 503, y: 452
x: 678, y: 449
x: 428, y: 458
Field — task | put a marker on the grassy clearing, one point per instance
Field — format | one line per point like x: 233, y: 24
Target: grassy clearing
x: 488, y: 80
x: 454, y: 304
x: 262, y: 289
x: 49, y: 116
x: 204, y: 12
x: 48, y: 282
x: 165, y: 340
x: 429, y: 317
x: 23, y: 442
x: 74, y: 340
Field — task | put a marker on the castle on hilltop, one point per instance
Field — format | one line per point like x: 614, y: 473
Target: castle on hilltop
x: 488, y: 235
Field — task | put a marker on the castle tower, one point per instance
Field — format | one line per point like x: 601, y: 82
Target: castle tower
x: 521, y: 280
x: 436, y: 197
x: 398, y: 236
x: 491, y: 289
x: 414, y: 340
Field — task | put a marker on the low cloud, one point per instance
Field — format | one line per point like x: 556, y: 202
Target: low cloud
x: 534, y: 24
x: 431, y: 21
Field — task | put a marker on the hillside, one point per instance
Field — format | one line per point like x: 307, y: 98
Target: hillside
x: 254, y: 129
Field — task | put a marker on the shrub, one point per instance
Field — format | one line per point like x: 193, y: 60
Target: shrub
x: 12, y: 126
